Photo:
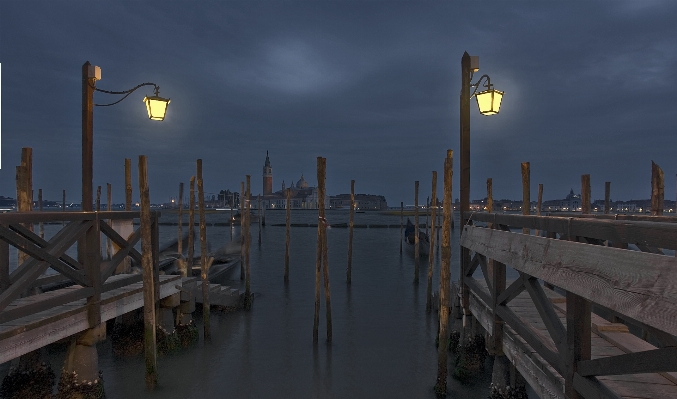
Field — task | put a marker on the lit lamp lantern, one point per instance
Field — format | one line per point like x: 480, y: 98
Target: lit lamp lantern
x: 157, y: 106
x: 489, y: 101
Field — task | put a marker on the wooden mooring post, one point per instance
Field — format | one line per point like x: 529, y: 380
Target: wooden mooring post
x: 539, y: 205
x: 416, y: 249
x: 321, y: 260
x: 149, y: 321
x: 607, y: 194
x: 526, y: 193
x: 657, y: 190
x: 203, y: 253
x: 442, y: 348
x: 128, y: 184
x: 98, y: 198
x: 287, y: 236
x: 109, y: 207
x: 191, y: 226
x: 431, y: 256
x: 232, y: 203
x: 260, y: 213
x: 349, y: 271
x: 183, y: 265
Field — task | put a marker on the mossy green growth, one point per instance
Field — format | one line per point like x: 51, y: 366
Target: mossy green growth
x: 70, y: 387
x: 28, y: 383
x: 188, y: 334
x: 167, y: 342
x: 519, y: 392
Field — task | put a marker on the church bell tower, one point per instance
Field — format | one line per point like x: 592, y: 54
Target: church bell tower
x: 267, y: 177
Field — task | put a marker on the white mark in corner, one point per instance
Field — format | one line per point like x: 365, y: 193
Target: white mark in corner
x: 0, y: 115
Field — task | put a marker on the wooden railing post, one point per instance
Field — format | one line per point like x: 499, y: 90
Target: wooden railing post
x: 93, y: 270
x: 578, y: 339
x: 147, y: 253
x: 657, y: 190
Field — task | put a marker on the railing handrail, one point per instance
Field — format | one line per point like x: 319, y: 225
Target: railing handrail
x: 657, y: 233
x: 58, y: 216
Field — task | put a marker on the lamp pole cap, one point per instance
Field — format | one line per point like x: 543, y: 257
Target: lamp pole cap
x: 94, y: 72
x: 474, y: 63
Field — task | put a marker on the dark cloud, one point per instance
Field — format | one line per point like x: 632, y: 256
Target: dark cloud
x: 371, y: 86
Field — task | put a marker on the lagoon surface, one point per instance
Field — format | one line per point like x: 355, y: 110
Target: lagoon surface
x: 383, y: 341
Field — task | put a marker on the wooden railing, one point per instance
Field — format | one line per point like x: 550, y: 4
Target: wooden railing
x: 89, y: 271
x: 639, y: 287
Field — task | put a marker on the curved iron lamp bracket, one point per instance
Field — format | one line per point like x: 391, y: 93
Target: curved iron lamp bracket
x: 126, y: 92
x: 488, y: 84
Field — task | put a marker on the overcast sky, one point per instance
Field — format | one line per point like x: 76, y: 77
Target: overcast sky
x: 371, y: 86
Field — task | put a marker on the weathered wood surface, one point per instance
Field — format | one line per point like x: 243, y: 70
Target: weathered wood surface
x: 610, y: 277
x: 658, y: 233
x: 32, y: 332
x: 607, y: 339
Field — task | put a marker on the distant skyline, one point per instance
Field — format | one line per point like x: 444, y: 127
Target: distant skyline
x: 371, y: 86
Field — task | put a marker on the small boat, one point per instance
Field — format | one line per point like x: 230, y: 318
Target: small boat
x: 409, y: 240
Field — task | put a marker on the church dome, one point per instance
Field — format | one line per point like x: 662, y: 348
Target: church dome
x: 302, y: 183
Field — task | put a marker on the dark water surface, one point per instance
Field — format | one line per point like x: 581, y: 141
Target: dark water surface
x: 383, y: 341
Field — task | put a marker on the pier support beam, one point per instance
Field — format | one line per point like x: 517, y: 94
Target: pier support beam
x: 30, y: 376
x: 80, y: 376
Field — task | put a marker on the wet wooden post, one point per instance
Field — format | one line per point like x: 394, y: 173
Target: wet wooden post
x: 128, y: 184
x: 24, y: 195
x: 242, y: 229
x: 232, y: 202
x: 149, y: 321
x: 287, y: 237
x: 247, y: 244
x: 431, y: 257
x: 427, y: 211
x: 183, y: 269
x: 585, y: 194
x: 539, y: 205
x: 319, y: 259
x: 98, y: 198
x: 578, y: 331
x: 109, y: 208
x: 439, y: 224
x: 416, y: 248
x: 349, y: 271
x: 401, y: 223
x: 607, y: 200
x: 41, y: 225
x: 526, y: 193
x: 441, y: 385
x: 258, y: 209
x: 203, y: 253
x: 322, y: 167
x: 657, y: 190
x: 191, y: 226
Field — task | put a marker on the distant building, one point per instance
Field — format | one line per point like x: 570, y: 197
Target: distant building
x: 303, y: 196
x: 362, y: 202
x: 571, y: 203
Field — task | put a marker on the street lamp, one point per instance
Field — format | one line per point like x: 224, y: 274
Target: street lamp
x: 155, y: 105
x: 489, y: 103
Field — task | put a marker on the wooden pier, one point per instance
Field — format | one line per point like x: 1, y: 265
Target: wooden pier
x: 30, y: 322
x: 548, y: 322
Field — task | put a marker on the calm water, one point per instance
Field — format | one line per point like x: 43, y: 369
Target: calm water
x: 383, y: 340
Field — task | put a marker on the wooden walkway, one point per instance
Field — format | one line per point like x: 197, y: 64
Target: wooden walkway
x: 570, y: 351
x: 96, y: 293
x: 607, y: 339
x: 28, y: 333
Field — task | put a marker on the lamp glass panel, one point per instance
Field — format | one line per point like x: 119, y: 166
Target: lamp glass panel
x: 489, y: 101
x: 156, y: 107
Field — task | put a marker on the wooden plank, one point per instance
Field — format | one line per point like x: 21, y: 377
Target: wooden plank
x: 44, y: 303
x: 547, y: 313
x: 477, y: 289
x: 628, y: 389
x: 50, y: 326
x: 543, y: 379
x: 591, y: 388
x: 122, y: 253
x: 511, y: 292
x: 42, y: 243
x: 124, y: 244
x: 482, y: 313
x: 649, y: 230
x: 537, y: 340
x: 652, y: 361
x: 608, y: 276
